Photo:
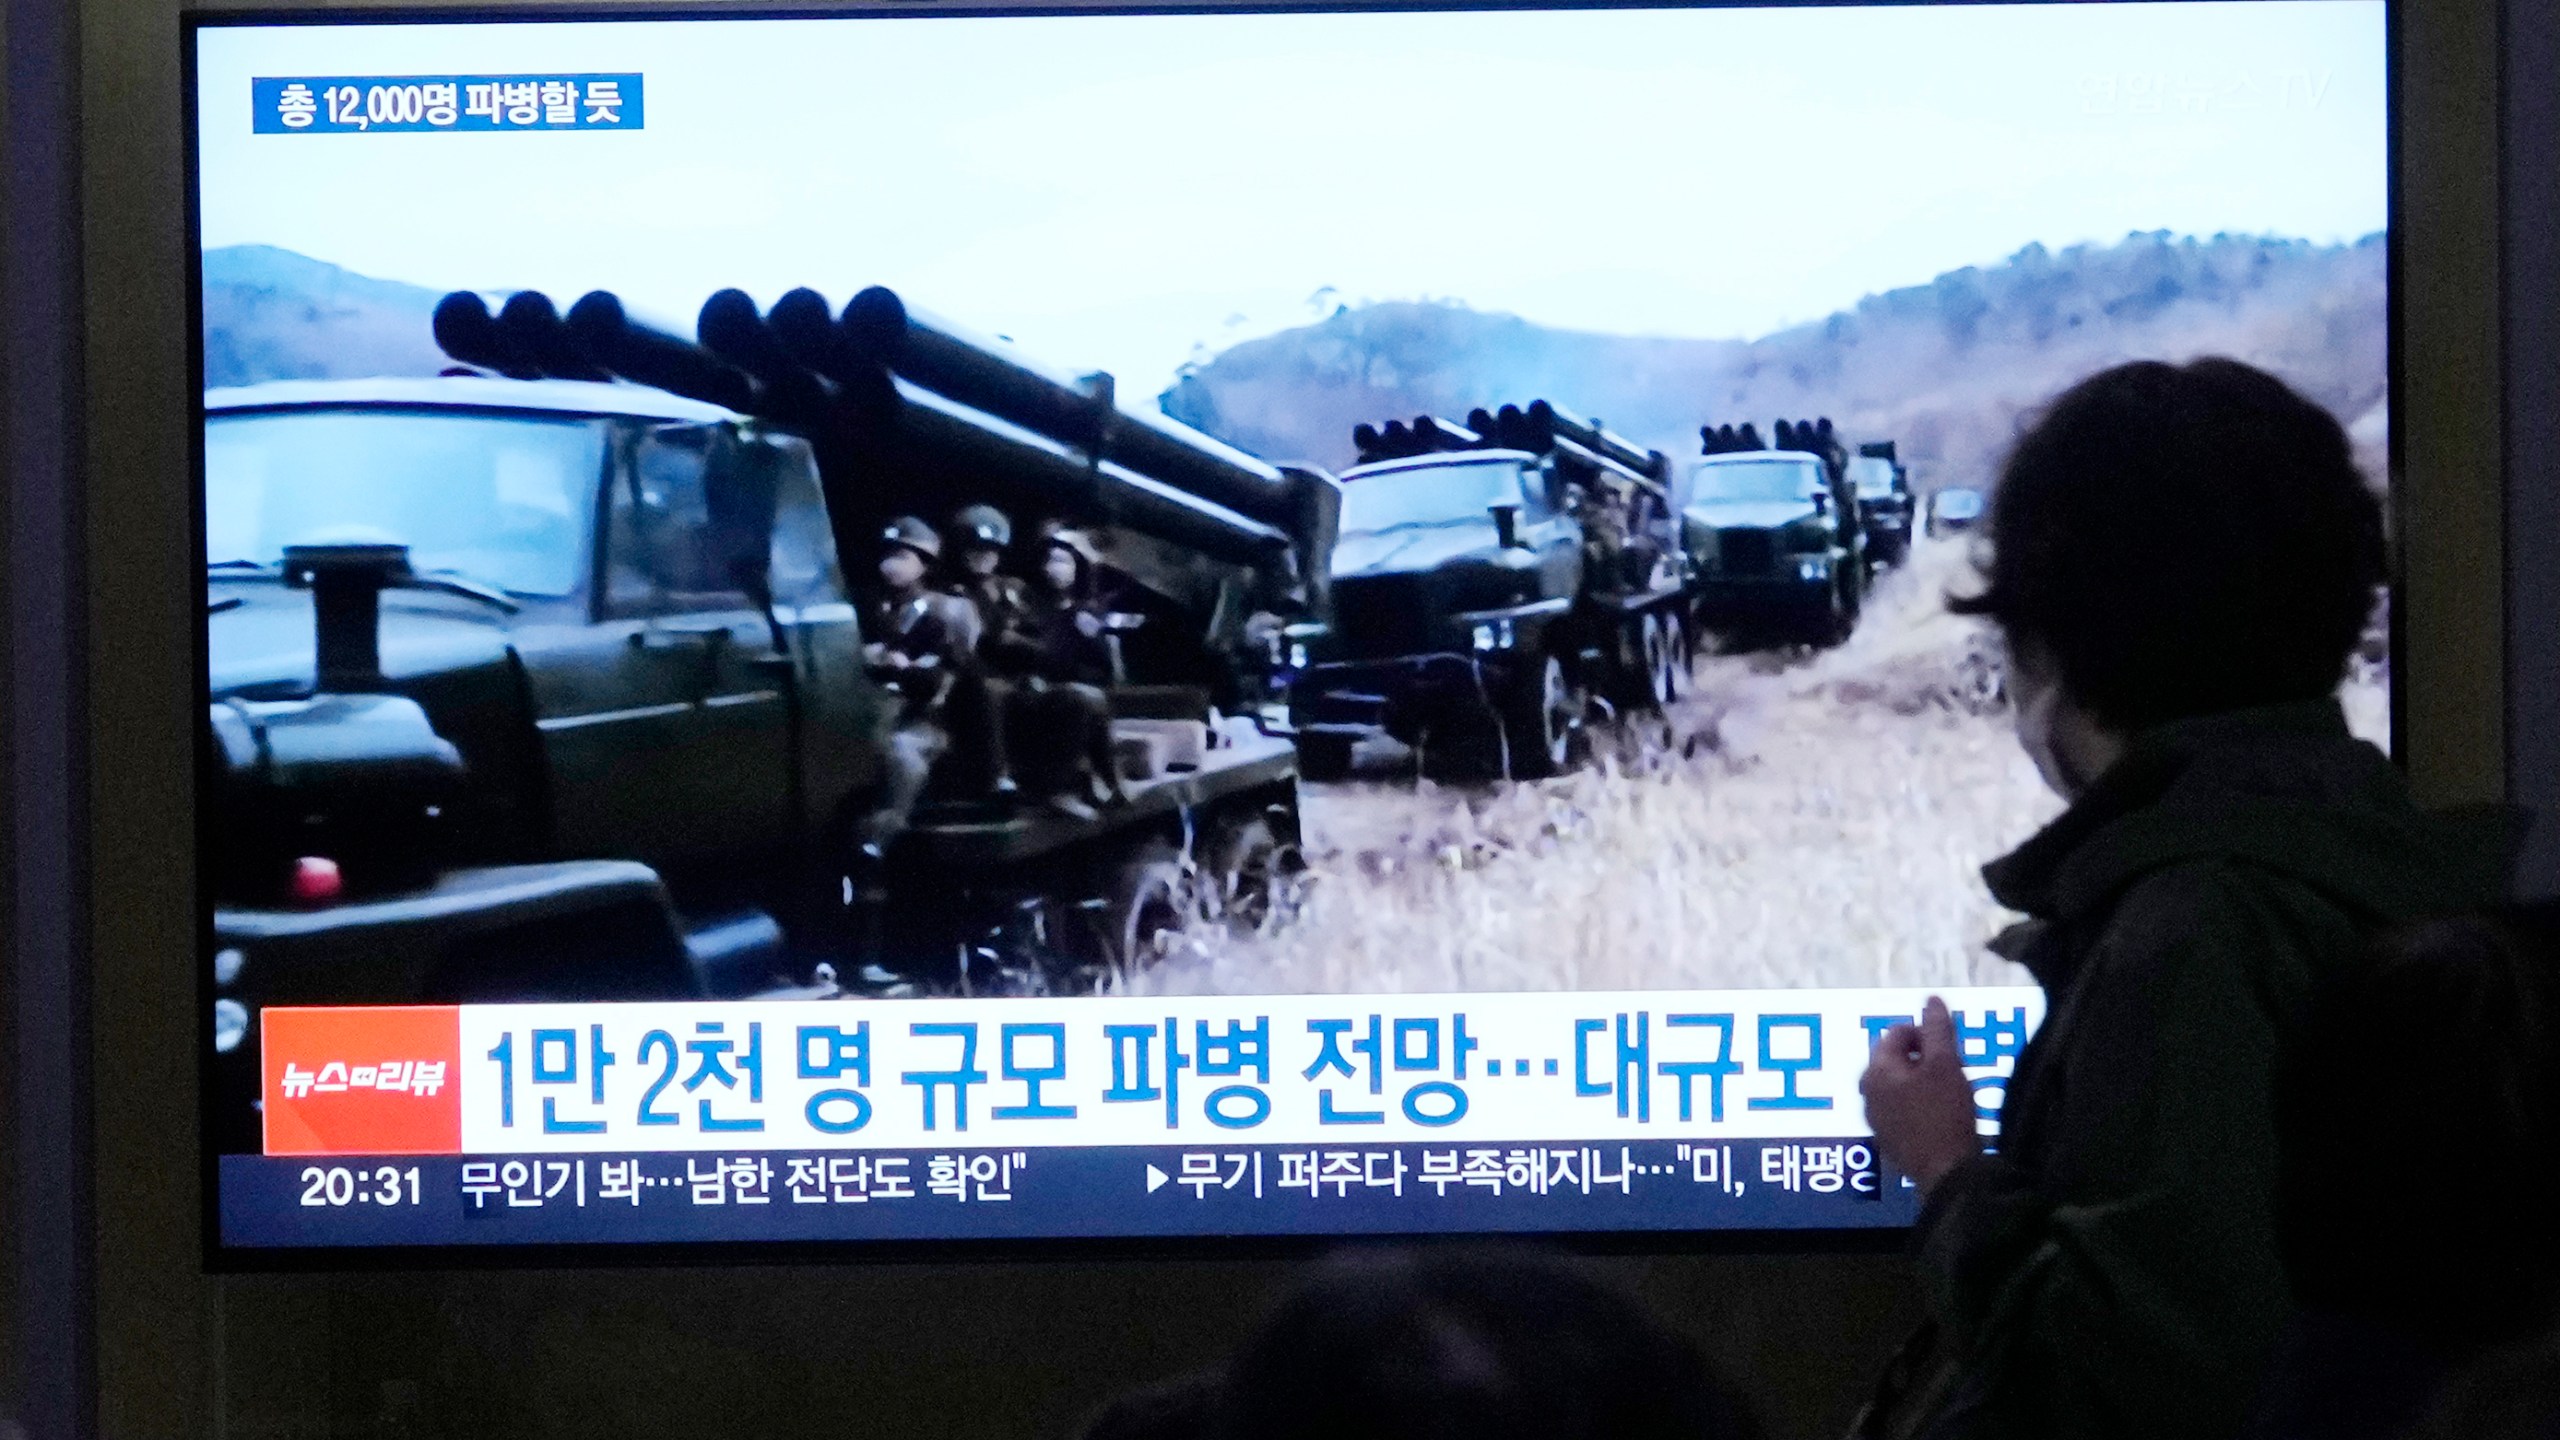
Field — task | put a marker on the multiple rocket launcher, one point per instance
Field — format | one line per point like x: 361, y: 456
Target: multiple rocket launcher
x: 1545, y: 429
x: 882, y: 390
x: 1585, y: 446
x: 910, y: 413
x: 1813, y: 437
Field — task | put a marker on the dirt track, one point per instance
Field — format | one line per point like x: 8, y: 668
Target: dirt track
x: 1804, y: 820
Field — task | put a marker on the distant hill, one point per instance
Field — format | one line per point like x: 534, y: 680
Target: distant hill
x: 1944, y: 368
x: 271, y: 314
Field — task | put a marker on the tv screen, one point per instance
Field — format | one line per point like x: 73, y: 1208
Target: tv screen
x: 931, y: 628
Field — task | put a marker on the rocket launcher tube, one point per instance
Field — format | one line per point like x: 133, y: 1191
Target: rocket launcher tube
x: 1040, y: 473
x: 1178, y: 455
x: 1650, y: 464
x: 754, y: 364
x: 731, y: 327
x: 806, y: 326
x: 985, y: 375
x: 464, y: 330
x: 1573, y: 453
x: 534, y: 329
x: 877, y: 327
x: 652, y: 357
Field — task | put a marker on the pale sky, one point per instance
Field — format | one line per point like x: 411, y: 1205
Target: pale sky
x: 1112, y: 191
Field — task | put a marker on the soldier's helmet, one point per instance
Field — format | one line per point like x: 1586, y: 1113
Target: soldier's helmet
x: 984, y: 525
x: 915, y: 535
x: 1076, y: 543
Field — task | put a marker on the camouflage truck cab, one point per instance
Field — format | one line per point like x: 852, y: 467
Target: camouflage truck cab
x: 1490, y: 580
x: 1777, y: 535
x: 1885, y: 502
x: 544, y: 688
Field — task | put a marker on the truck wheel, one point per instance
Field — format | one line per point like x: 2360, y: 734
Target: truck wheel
x: 1839, y: 616
x: 1251, y: 882
x: 1634, y: 664
x: 1538, y: 720
x: 1673, y: 666
x: 1645, y: 689
x: 1152, y: 899
x: 1324, y: 757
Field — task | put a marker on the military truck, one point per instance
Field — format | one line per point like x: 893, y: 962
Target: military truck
x: 1883, y: 485
x: 1775, y: 535
x: 543, y: 680
x: 1952, y: 510
x: 1491, y: 582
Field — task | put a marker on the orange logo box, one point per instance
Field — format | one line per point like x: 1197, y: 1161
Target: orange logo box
x: 362, y: 1080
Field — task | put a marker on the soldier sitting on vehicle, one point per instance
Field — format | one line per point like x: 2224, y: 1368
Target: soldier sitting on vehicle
x: 998, y: 603
x: 1059, y: 659
x: 920, y: 654
x: 1603, y: 516
x: 1001, y: 600
x: 1649, y: 561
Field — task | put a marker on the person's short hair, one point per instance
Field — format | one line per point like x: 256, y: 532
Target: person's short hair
x: 1468, y: 1344
x: 2183, y: 540
x: 2418, y: 1115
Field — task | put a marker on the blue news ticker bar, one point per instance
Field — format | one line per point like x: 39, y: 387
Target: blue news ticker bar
x: 431, y: 104
x: 1128, y: 1191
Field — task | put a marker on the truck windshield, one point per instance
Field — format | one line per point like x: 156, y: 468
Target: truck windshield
x: 1430, y: 495
x: 505, y: 500
x: 1757, y: 480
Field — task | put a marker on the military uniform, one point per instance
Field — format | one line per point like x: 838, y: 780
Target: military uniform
x: 995, y: 603
x: 1059, y: 662
x: 985, y: 605
x: 1604, y: 535
x: 919, y: 630
x: 921, y: 653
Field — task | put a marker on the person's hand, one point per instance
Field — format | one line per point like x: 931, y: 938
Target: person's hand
x: 896, y: 659
x: 1088, y: 624
x: 1919, y: 1104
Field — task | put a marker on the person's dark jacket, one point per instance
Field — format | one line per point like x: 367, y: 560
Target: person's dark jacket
x: 2112, y: 1270
x: 2341, y: 1376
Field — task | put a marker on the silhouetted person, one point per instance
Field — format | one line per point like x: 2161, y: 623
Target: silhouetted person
x: 1434, y: 1344
x: 2181, y: 559
x: 2420, y: 1121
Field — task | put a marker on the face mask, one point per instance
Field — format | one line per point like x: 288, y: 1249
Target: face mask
x: 2038, y: 701
x: 2036, y: 736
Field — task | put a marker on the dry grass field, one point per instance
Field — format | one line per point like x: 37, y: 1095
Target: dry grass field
x: 1799, y: 820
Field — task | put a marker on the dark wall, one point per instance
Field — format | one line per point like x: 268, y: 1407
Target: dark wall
x: 898, y: 1350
